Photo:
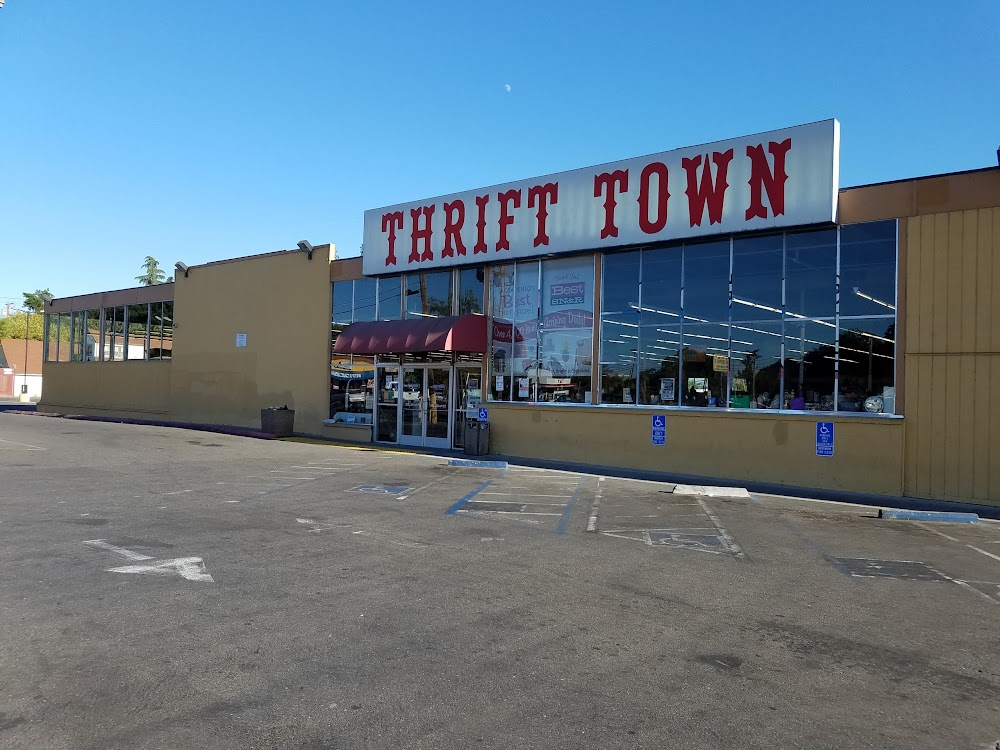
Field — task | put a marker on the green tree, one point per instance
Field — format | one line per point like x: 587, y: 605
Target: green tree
x: 33, y: 300
x: 153, y: 274
x: 13, y: 327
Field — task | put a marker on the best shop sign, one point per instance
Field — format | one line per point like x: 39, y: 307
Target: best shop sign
x: 778, y: 179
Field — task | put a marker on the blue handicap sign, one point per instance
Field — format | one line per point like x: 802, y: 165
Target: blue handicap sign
x: 484, y: 413
x: 824, y: 438
x: 659, y: 433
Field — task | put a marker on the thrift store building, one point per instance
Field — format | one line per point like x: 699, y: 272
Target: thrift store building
x: 722, y: 311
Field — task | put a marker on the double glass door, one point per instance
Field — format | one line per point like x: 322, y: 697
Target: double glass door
x: 424, y: 405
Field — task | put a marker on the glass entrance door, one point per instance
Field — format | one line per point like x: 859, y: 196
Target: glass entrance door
x: 412, y: 395
x: 425, y: 406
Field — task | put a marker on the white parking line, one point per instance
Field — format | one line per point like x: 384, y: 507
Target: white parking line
x: 734, y: 547
x: 23, y: 445
x: 970, y: 546
x: 507, y: 494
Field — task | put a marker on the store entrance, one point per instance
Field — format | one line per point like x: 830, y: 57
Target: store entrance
x: 425, y: 406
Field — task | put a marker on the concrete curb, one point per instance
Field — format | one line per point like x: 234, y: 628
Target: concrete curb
x: 928, y: 515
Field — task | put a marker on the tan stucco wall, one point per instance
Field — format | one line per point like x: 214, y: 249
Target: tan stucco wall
x: 135, y: 388
x: 281, y: 301
x: 757, y: 446
x: 952, y: 354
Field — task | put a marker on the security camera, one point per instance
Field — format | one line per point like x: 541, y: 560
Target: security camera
x: 181, y: 268
x: 306, y: 247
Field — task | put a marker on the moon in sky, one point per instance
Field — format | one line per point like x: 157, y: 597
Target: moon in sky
x: 506, y: 87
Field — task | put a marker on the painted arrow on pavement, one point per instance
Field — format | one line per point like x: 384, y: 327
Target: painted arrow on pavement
x: 191, y: 568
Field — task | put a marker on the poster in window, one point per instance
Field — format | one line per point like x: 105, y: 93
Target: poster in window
x: 667, y: 393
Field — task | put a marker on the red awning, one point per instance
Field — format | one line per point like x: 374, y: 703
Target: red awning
x: 461, y: 333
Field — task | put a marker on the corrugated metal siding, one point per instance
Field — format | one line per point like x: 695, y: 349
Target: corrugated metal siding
x: 952, y: 366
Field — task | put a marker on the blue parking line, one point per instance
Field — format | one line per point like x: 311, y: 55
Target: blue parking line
x: 568, y: 511
x: 458, y: 506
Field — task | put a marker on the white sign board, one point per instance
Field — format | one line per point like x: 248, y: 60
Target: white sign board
x: 783, y: 178
x: 241, y: 340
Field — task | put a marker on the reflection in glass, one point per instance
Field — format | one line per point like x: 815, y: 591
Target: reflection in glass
x: 565, y: 331
x: 428, y: 295
x: 138, y: 325
x: 471, y: 282
x: 364, y: 299
x: 390, y: 298
x: 501, y: 331
x: 757, y: 274
x: 867, y: 365
x: 343, y: 302
x: 92, y: 339
x: 868, y: 269
x: 705, y: 354
x: 619, y: 326
x: 438, y: 387
x: 706, y: 281
x: 413, y: 401
x: 811, y: 274
x: 755, y: 365
x: 388, y: 403
x: 810, y: 349
x: 524, y: 358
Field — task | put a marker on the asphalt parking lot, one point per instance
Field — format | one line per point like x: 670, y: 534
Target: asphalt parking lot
x: 164, y: 588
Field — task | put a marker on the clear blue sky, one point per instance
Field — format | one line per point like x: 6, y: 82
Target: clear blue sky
x: 197, y: 131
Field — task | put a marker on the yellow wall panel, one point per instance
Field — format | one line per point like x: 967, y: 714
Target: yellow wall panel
x: 138, y: 387
x: 281, y: 301
x: 987, y: 309
x: 952, y: 410
x: 743, y: 447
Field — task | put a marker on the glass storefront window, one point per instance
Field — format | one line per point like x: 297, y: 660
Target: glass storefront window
x: 868, y: 269
x: 659, y: 317
x: 428, y: 295
x: 565, y: 330
x: 65, y: 334
x: 811, y: 274
x: 705, y: 364
x: 92, y: 343
x: 501, y: 331
x: 755, y: 365
x: 620, y: 274
x: 810, y: 356
x: 390, y: 298
x: 524, y: 357
x: 79, y: 335
x: 758, y: 268
x: 471, y: 282
x: 706, y: 281
x: 867, y: 365
x: 138, y: 323
x: 365, y: 292
x: 343, y: 302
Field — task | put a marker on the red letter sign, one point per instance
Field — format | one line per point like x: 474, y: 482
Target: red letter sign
x: 714, y: 195
x: 392, y: 222
x: 662, y: 195
x: 772, y: 182
x: 510, y: 197
x: 544, y: 195
x: 605, y: 183
x: 454, y: 218
x: 480, y: 246
x: 417, y: 234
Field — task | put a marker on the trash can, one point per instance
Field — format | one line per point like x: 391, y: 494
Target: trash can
x: 483, y: 439
x: 277, y: 420
x: 470, y: 440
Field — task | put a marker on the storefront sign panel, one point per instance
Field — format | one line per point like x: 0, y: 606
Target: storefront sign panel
x: 782, y: 178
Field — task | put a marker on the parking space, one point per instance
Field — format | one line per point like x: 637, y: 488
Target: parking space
x: 654, y: 514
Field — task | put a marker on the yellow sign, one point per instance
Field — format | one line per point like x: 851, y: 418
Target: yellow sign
x: 720, y: 363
